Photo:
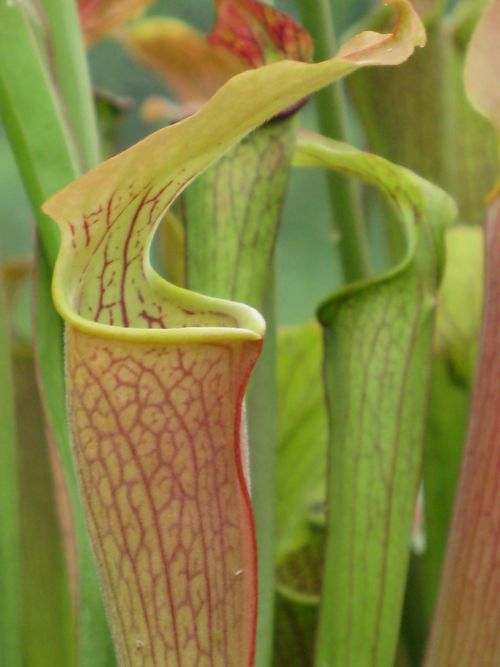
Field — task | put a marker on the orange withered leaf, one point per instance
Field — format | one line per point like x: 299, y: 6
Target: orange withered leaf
x: 101, y: 17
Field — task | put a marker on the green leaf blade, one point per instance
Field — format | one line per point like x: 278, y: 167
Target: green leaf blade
x: 48, y: 159
x: 73, y: 76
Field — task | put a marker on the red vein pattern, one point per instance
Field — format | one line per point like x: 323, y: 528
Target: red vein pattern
x: 113, y: 288
x: 156, y: 430
x: 156, y: 436
x: 155, y: 415
x: 466, y: 629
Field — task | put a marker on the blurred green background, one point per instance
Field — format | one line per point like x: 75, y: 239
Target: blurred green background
x: 307, y: 254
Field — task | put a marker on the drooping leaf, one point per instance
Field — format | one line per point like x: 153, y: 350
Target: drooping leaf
x: 378, y: 337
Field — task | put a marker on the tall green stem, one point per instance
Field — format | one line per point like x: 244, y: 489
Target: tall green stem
x: 331, y: 106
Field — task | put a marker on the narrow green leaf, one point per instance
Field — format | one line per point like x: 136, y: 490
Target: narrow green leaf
x: 47, y: 621
x: 10, y: 584
x: 378, y: 337
x: 47, y: 614
x: 72, y: 75
x: 46, y: 158
x: 42, y: 143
